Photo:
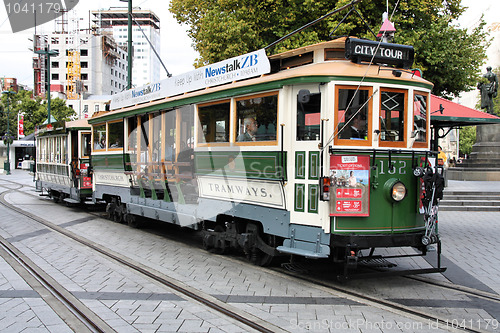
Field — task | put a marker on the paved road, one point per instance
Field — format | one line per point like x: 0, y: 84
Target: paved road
x: 131, y: 303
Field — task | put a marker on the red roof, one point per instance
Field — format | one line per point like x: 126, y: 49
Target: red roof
x: 458, y: 114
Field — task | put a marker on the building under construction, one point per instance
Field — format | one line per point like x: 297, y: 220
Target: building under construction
x: 145, y: 35
x: 87, y: 62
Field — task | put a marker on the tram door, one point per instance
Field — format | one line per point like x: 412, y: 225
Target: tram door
x: 306, y: 103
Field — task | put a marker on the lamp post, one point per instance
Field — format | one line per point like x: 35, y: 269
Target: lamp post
x: 49, y: 53
x: 6, y: 164
x: 129, y: 44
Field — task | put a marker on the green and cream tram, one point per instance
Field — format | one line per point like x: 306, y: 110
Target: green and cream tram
x: 63, y: 160
x: 316, y: 152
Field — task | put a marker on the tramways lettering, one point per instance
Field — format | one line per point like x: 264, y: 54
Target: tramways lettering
x: 239, y: 189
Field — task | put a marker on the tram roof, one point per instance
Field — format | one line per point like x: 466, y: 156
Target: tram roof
x: 78, y: 124
x: 318, y: 70
x: 455, y: 114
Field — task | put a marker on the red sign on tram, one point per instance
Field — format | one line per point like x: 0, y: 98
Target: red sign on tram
x: 350, y: 179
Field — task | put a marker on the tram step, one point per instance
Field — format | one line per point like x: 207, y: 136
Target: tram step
x: 71, y: 201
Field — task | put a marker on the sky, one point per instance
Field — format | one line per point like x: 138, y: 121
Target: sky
x: 176, y: 51
x: 16, y: 59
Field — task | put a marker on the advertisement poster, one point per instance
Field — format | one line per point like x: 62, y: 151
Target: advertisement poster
x: 350, y: 190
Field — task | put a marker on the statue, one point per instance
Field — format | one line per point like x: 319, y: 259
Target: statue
x: 488, y: 90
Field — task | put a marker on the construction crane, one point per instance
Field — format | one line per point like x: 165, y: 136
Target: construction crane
x: 74, y: 70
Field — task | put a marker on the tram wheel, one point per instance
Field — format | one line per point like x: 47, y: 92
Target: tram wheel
x: 256, y: 255
x: 220, y: 246
x: 118, y: 216
x: 110, y: 210
x: 119, y: 213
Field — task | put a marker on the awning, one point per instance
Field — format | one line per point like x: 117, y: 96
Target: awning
x: 454, y: 114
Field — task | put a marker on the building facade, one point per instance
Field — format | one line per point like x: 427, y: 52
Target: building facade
x: 88, y: 63
x: 146, y: 66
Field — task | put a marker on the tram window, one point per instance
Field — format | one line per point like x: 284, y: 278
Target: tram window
x: 132, y: 133
x: 420, y: 119
x: 392, y: 115
x: 257, y: 118
x: 169, y: 125
x: 214, y: 122
x: 115, y: 135
x: 144, y: 139
x: 353, y: 114
x: 156, y: 137
x: 309, y: 118
x: 99, y: 134
x: 64, y: 149
x: 86, y: 146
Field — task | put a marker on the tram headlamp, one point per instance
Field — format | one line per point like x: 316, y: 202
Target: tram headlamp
x: 398, y: 191
x: 395, y: 189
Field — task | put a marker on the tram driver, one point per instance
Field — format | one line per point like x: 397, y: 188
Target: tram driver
x: 355, y: 128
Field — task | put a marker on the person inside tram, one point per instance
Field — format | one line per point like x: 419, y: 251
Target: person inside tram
x: 251, y: 128
x: 169, y: 148
x: 355, y: 129
x: 117, y: 143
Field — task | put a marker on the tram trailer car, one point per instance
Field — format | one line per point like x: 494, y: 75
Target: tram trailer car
x: 316, y: 152
x: 63, y: 160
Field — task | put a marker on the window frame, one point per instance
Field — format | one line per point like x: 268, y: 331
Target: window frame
x: 108, y: 147
x: 235, y: 121
x: 420, y: 144
x: 349, y: 142
x: 93, y: 138
x: 199, y: 132
x: 404, y: 142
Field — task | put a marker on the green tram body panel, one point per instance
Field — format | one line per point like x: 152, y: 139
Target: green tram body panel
x: 257, y: 165
x: 387, y: 216
x: 108, y: 161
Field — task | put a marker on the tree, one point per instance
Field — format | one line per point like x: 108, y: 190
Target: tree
x: 35, y: 111
x: 450, y: 57
x: 467, y: 139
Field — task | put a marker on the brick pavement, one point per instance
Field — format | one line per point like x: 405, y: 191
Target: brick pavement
x: 124, y: 299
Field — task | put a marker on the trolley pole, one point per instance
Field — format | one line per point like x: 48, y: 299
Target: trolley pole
x: 6, y: 165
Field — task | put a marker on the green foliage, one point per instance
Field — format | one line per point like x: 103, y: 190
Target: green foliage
x: 467, y: 139
x: 449, y: 56
x: 35, y: 111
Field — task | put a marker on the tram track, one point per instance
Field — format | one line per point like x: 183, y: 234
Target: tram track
x: 256, y: 323
x: 242, y: 317
x: 443, y: 322
x: 79, y: 317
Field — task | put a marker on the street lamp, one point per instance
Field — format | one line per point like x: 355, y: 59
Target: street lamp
x: 6, y: 164
x: 48, y: 53
x: 129, y: 44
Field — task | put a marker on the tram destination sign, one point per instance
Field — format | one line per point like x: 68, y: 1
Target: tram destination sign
x: 234, y: 69
x: 361, y: 50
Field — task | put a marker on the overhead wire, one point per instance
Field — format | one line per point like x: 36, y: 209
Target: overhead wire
x: 336, y: 132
